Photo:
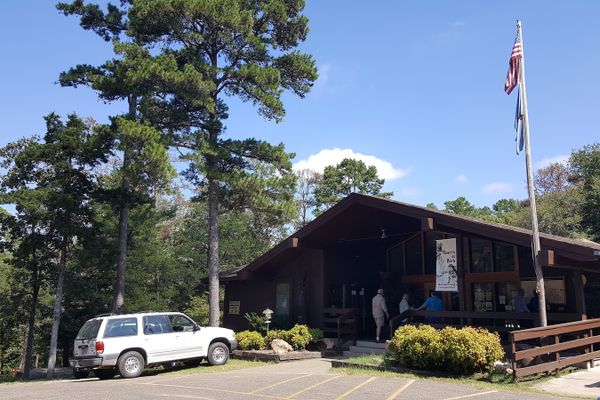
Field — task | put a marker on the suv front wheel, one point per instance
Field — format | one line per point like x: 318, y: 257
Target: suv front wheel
x: 131, y: 364
x: 218, y: 353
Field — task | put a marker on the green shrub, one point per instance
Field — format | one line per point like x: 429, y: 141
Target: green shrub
x: 418, y: 347
x: 257, y: 322
x: 250, y: 340
x: 463, y: 351
x: 298, y: 337
x: 316, y: 334
x: 275, y: 334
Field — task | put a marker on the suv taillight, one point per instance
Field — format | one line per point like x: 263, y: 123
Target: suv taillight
x: 99, y: 347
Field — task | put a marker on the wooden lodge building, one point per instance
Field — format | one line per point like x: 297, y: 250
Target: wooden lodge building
x: 330, y: 269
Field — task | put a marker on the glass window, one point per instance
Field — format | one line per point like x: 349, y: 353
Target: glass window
x: 481, y: 255
x: 505, y: 296
x: 430, y: 251
x: 181, y: 323
x: 156, y: 324
x: 121, y: 327
x: 504, y: 257
x: 89, y: 330
x: 483, y: 297
x: 414, y: 260
x: 282, y: 300
x: 396, y: 259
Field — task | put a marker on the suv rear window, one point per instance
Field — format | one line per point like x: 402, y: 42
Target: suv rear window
x: 89, y: 330
x: 121, y: 327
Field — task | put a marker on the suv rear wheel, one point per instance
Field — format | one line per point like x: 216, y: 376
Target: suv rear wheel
x: 104, y: 373
x: 131, y: 364
x: 218, y: 353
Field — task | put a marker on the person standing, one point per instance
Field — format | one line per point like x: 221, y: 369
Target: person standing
x: 380, y: 312
x: 404, y: 307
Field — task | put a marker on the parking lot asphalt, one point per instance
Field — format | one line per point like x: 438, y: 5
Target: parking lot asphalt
x: 301, y: 380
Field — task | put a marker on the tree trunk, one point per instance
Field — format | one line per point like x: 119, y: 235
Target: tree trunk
x: 35, y: 283
x: 57, y: 311
x: 213, y: 252
x: 119, y: 290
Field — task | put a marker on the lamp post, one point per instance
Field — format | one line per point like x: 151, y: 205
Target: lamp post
x: 267, y: 313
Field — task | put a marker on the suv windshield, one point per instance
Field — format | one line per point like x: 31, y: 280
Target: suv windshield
x: 89, y: 330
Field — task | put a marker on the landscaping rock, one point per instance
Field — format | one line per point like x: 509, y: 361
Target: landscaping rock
x: 281, y: 346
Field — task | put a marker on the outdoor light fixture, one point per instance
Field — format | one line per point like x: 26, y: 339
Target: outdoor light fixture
x: 383, y: 235
x: 267, y: 313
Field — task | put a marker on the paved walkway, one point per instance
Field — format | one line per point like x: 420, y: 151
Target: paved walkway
x: 301, y: 380
x: 582, y: 384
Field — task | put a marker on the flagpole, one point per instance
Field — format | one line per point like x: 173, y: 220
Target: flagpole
x: 535, y: 234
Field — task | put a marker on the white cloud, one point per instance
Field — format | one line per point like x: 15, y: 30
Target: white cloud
x: 561, y: 159
x: 497, y: 187
x: 461, y: 178
x: 318, y: 162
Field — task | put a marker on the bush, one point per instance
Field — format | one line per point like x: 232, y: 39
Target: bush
x: 257, y: 322
x: 299, y: 337
x: 250, y: 340
x: 316, y: 334
x: 463, y: 351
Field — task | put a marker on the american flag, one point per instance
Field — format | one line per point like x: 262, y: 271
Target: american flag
x: 514, y: 65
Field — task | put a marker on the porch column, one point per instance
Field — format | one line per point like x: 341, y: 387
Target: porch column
x: 576, y: 277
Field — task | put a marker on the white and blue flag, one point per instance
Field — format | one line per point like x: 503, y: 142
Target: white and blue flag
x: 519, y: 124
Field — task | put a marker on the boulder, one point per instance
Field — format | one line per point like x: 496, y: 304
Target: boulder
x: 281, y: 346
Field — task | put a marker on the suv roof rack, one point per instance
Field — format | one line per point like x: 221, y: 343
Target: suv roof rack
x: 105, y: 315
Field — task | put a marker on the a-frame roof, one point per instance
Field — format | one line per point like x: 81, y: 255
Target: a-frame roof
x: 578, y: 251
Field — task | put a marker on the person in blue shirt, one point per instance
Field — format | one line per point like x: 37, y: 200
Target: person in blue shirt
x: 433, y: 303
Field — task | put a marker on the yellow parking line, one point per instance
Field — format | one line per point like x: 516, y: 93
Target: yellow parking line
x: 312, y: 386
x: 210, y: 389
x: 402, y: 389
x: 471, y: 395
x: 278, y: 383
x: 355, y: 388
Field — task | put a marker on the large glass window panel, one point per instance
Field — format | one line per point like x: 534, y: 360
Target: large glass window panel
x: 506, y: 293
x: 157, y: 324
x: 481, y: 255
x: 483, y: 297
x: 282, y: 301
x: 504, y: 257
x: 414, y: 256
x: 396, y: 259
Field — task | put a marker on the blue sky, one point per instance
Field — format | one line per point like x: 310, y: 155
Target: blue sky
x: 415, y: 85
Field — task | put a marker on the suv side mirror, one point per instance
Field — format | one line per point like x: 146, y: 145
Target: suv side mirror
x: 196, y: 327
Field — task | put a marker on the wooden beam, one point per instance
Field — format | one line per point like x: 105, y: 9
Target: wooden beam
x: 427, y: 224
x: 546, y: 258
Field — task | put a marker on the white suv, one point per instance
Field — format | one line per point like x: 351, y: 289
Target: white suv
x: 126, y: 344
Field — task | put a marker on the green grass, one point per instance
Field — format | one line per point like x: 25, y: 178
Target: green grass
x: 499, y: 382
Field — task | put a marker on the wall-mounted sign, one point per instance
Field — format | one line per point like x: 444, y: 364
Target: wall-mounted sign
x: 234, y: 307
x: 446, y: 279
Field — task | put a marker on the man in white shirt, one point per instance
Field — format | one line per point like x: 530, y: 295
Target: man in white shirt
x: 404, y: 306
x: 380, y: 312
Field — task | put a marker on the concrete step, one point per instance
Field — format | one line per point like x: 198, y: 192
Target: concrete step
x: 369, y: 344
x: 367, y: 350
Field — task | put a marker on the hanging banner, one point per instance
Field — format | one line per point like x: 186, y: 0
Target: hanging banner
x: 446, y: 279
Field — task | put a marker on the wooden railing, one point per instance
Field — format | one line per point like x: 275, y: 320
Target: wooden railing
x: 494, y: 321
x: 554, y: 347
x: 341, y: 322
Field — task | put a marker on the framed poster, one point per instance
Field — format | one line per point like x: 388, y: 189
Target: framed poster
x: 446, y: 277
